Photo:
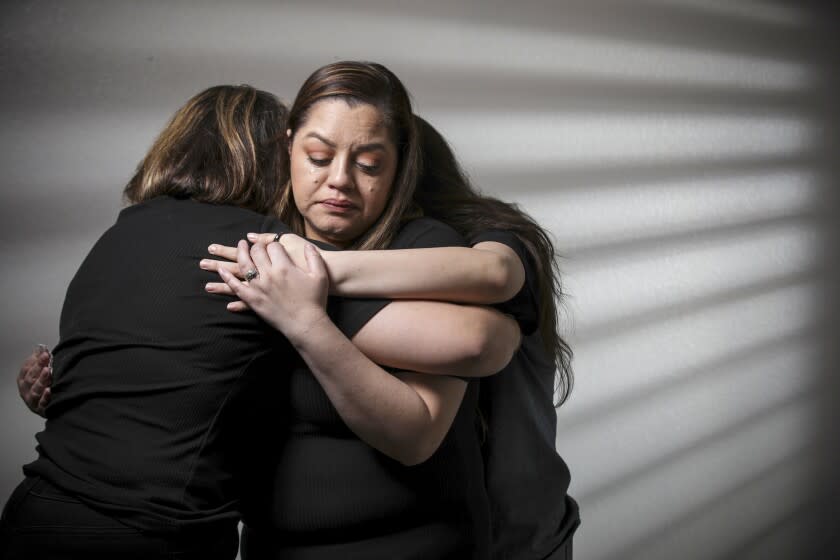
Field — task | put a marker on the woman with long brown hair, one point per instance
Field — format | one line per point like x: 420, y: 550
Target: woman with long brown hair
x: 513, y: 262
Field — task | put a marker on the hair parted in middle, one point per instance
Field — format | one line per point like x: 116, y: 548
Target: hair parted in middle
x: 369, y: 83
x: 225, y: 145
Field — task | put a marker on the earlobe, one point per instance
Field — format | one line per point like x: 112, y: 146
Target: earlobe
x: 289, y: 137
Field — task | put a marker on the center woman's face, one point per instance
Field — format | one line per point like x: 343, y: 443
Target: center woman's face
x: 343, y: 163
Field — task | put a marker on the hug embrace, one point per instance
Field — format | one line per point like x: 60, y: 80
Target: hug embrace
x: 373, y: 375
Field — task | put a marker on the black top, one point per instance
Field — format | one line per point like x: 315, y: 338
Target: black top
x: 330, y: 495
x: 527, y: 480
x: 150, y: 371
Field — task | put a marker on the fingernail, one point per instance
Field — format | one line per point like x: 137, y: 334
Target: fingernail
x: 252, y: 236
x: 208, y: 288
x: 203, y: 263
x: 211, y: 249
x: 41, y: 348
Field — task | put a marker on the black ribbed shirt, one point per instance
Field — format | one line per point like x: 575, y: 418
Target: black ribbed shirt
x: 153, y: 375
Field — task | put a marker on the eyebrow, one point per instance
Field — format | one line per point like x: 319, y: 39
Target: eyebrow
x: 363, y: 148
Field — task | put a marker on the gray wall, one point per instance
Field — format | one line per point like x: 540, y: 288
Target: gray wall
x: 682, y: 152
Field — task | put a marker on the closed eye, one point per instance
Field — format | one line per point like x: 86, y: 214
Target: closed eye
x: 319, y: 162
x: 369, y: 169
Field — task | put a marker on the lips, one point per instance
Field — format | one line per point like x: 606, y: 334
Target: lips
x: 338, y: 205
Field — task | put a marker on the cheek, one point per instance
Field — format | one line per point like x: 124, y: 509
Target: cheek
x: 377, y: 197
x: 305, y: 180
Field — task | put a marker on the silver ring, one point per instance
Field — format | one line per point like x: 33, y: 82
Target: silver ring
x: 251, y: 274
x: 277, y: 237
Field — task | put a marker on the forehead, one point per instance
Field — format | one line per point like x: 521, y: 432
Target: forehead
x: 343, y: 124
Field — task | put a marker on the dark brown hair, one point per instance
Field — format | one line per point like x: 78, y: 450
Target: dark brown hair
x: 226, y: 145
x: 444, y: 192
x: 373, y: 84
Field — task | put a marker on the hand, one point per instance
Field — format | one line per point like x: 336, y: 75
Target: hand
x: 294, y: 245
x: 34, y: 380
x: 290, y: 298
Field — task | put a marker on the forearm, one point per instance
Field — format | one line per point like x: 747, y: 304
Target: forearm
x: 440, y: 338
x: 383, y: 410
x: 459, y: 274
x: 404, y: 418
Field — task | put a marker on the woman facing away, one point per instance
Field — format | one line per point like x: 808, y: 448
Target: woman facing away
x: 147, y: 439
x: 147, y: 371
x: 512, y: 262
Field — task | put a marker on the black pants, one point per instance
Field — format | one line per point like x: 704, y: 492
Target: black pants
x: 41, y: 521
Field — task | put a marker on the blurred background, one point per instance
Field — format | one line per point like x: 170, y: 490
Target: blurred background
x: 683, y: 153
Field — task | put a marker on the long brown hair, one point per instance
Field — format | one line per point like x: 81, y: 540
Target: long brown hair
x: 226, y: 145
x: 369, y: 83
x: 445, y: 193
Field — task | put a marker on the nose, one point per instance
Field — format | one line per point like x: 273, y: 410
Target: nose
x: 340, y: 177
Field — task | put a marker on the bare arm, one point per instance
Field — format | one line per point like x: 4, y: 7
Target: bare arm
x: 489, y: 272
x: 424, y: 336
x: 405, y: 416
x: 440, y: 338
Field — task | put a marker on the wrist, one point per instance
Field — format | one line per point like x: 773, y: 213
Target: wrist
x: 338, y: 269
x: 299, y: 327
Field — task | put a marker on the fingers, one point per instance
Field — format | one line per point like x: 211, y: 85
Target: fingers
x: 238, y: 306
x: 243, y: 259
x: 40, y: 384
x: 218, y: 288
x: 24, y: 375
x: 233, y: 282
x: 222, y: 251
x: 35, y: 378
x: 32, y: 366
x: 45, y: 400
x: 213, y: 265
x: 265, y: 238
x: 262, y: 262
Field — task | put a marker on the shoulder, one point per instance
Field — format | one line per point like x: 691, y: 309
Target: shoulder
x: 427, y: 232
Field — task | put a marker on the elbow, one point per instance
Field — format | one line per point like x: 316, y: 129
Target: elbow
x: 418, y: 453
x: 493, y: 345
x: 505, y: 277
